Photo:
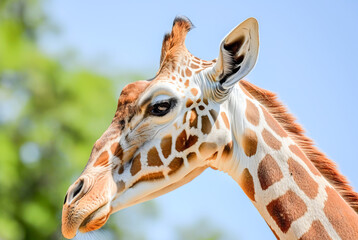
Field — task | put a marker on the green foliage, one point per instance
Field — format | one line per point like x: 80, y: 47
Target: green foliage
x: 50, y: 118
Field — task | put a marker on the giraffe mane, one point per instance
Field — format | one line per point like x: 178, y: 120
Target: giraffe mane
x: 323, y: 164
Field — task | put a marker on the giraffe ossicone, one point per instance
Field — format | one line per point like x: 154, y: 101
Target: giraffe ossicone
x: 197, y: 114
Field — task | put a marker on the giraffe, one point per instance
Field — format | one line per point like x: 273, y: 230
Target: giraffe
x: 197, y: 114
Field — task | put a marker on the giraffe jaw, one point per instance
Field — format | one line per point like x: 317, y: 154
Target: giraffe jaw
x: 120, y: 203
x: 87, y: 222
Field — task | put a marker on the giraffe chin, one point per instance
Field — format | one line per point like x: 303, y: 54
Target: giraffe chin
x: 96, y: 219
x: 91, y: 222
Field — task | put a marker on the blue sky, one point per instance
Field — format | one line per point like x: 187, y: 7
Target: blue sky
x: 308, y: 55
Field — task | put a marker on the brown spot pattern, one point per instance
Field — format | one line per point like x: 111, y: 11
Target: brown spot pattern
x: 274, y: 125
x: 166, y: 145
x: 121, y: 169
x: 295, y: 150
x: 175, y: 164
x: 205, y: 125
x: 326, y: 166
x: 193, y: 120
x: 102, y: 160
x: 136, y: 165
x: 194, y: 91
x: 201, y: 107
x: 191, y: 156
x: 252, y: 113
x: 117, y: 150
x: 206, y: 63
x: 189, y: 102
x: 194, y: 66
x: 153, y: 158
x: 286, y: 209
x: 227, y: 151
x: 342, y: 217
x: 249, y: 142
x: 188, y: 72
x: 149, y: 177
x: 183, y: 142
x: 247, y: 184
x: 214, y: 115
x: 316, y: 231
x: 225, y: 119
x: 303, y: 179
x: 114, y: 148
x: 186, y: 84
x: 196, y: 59
x: 120, y: 186
x: 206, y: 101
x: 270, y: 140
x: 268, y: 172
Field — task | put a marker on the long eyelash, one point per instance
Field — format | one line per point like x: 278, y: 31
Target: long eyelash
x: 172, y: 101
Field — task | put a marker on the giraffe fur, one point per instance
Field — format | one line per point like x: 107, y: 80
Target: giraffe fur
x: 196, y: 114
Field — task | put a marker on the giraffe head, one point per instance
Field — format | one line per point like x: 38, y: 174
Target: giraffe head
x: 165, y: 132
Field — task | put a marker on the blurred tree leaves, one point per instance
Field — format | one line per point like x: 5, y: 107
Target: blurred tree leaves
x: 202, y: 230
x: 50, y: 118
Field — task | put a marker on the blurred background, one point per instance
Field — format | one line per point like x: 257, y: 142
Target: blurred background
x: 63, y: 64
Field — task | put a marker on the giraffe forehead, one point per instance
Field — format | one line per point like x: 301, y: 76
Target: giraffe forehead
x: 159, y: 89
x: 126, y: 107
x: 132, y: 91
x: 176, y: 77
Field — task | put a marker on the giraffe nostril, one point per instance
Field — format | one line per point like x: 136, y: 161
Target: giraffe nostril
x: 76, y: 190
x: 65, y: 199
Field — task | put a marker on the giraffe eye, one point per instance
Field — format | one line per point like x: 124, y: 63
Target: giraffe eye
x: 161, y: 108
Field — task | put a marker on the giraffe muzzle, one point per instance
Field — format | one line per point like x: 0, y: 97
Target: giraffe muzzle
x: 87, y: 204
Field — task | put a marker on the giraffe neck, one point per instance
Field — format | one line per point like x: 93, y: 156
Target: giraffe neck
x: 295, y: 200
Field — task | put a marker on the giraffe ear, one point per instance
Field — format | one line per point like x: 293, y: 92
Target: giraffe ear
x: 238, y: 54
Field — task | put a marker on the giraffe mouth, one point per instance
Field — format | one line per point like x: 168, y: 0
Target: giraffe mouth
x: 96, y: 219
